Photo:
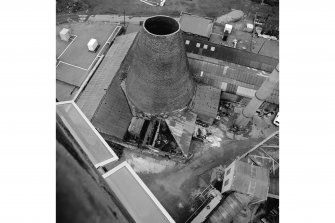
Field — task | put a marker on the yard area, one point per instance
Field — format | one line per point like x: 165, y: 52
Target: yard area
x: 175, y: 185
x: 210, y: 8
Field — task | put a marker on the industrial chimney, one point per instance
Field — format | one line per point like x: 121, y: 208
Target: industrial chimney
x: 159, y: 81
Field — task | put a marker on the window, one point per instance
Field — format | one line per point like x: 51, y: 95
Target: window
x: 226, y: 182
x: 198, y: 45
x: 228, y: 171
x: 187, y: 42
x: 205, y: 46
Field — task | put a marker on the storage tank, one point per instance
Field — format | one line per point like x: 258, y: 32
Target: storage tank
x: 159, y: 80
x: 229, y: 208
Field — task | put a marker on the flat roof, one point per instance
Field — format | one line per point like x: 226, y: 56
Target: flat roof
x: 182, y: 128
x: 196, y: 25
x: 70, y: 75
x: 77, y: 52
x: 65, y: 91
x: 229, y: 54
x: 96, y: 148
x: 139, y: 201
x: 206, y: 101
x: 74, y: 59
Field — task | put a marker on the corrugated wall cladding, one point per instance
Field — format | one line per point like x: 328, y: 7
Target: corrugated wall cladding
x: 226, y: 70
x: 230, y: 54
x: 231, y: 88
x: 216, y: 73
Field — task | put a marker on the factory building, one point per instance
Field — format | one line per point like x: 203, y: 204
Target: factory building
x: 147, y: 75
x: 118, y: 195
x: 149, y: 92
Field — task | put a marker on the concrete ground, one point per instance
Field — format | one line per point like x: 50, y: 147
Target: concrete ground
x: 175, y: 185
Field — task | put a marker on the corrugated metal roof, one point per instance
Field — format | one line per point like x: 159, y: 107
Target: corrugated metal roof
x: 216, y: 72
x: 251, y: 180
x: 206, y: 101
x: 232, y: 71
x: 182, y: 128
x: 196, y: 25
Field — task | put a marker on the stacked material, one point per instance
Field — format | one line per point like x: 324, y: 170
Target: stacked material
x: 159, y: 80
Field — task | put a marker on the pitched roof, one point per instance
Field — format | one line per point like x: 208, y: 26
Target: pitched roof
x: 103, y: 100
x: 206, y: 101
x: 252, y: 180
x: 95, y: 90
x: 182, y: 128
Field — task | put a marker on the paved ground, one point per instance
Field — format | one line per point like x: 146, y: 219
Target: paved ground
x: 175, y: 185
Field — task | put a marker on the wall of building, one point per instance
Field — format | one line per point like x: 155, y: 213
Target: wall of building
x: 81, y: 193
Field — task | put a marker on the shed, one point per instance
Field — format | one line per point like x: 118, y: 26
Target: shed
x: 92, y: 45
x: 247, y: 179
x: 65, y: 34
x: 196, y: 25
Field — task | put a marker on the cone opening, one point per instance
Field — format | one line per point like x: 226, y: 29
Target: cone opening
x: 161, y: 25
